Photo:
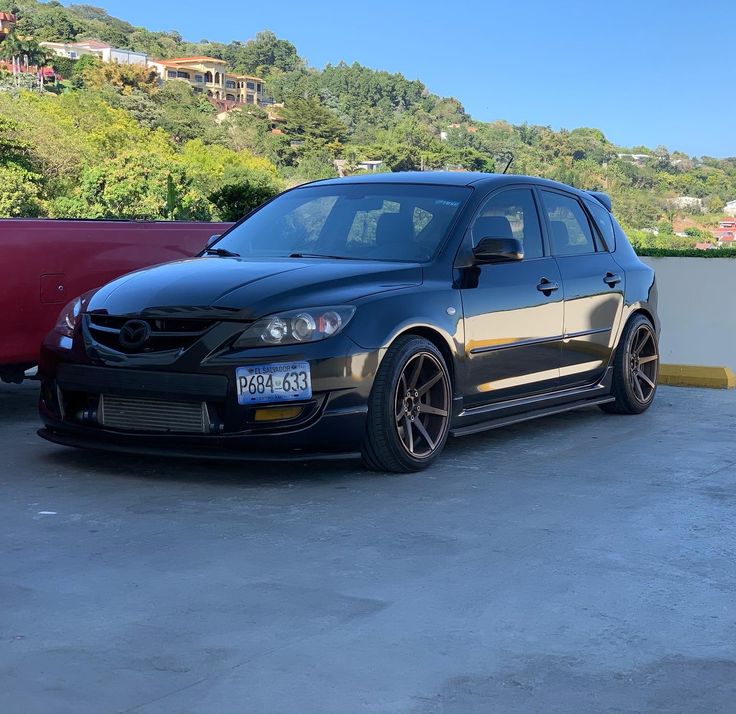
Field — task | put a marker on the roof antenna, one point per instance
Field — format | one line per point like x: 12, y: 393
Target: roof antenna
x: 511, y: 159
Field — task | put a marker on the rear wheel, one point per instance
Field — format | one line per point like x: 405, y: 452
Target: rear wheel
x: 635, y: 368
x: 409, y: 408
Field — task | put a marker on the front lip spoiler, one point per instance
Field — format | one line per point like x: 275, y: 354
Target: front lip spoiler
x: 64, y: 439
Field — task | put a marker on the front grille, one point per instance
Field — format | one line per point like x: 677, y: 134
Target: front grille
x: 149, y: 415
x: 165, y: 333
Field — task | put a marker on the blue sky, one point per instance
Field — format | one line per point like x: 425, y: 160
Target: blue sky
x: 645, y: 72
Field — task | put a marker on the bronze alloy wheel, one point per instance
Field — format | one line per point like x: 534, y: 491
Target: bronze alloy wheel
x: 422, y: 405
x: 643, y: 363
x: 635, y: 368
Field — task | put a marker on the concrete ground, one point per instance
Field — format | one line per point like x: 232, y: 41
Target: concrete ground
x: 583, y: 563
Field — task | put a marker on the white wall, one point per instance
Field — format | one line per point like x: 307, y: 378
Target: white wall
x: 125, y: 57
x: 697, y: 307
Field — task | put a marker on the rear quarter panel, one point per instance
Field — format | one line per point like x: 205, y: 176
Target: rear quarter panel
x: 641, y: 286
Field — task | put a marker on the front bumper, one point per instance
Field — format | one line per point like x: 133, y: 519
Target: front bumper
x: 242, y: 447
x: 332, y: 422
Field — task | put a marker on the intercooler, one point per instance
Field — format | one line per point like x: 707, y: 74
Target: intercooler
x: 153, y: 415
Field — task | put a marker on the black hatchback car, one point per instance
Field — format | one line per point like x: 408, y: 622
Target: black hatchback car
x: 373, y: 315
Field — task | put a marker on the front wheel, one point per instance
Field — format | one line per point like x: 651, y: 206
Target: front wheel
x: 409, y: 408
x: 635, y: 368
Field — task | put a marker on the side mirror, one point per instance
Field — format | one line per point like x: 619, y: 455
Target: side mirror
x: 212, y: 239
x: 498, y: 250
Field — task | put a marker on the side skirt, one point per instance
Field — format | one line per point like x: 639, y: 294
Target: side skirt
x: 492, y: 416
x: 527, y: 416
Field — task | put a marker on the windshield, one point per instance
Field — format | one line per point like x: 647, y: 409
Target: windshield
x: 405, y: 222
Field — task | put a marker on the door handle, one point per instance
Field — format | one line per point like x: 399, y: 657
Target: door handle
x: 611, y: 279
x: 547, y: 286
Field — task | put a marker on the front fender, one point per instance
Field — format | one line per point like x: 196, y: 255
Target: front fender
x: 380, y: 320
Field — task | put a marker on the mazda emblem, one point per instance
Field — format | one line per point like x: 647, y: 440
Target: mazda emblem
x: 134, y: 334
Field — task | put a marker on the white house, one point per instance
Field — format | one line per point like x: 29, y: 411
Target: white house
x: 636, y: 158
x: 730, y: 208
x: 101, y: 50
x: 373, y: 165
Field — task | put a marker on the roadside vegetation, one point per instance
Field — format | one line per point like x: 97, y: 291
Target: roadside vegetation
x: 109, y: 141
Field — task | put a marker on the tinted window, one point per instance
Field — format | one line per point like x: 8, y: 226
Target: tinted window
x: 603, y: 220
x: 570, y: 232
x: 511, y: 214
x: 368, y: 221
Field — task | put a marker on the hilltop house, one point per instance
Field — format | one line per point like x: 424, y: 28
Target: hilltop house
x: 726, y: 232
x: 7, y: 24
x: 209, y: 75
x: 95, y: 48
x: 370, y: 165
x: 634, y: 158
x: 730, y: 208
x: 206, y: 75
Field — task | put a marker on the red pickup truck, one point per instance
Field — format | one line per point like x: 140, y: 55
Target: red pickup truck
x: 46, y: 263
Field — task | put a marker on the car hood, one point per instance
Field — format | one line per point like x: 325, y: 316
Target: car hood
x: 248, y: 289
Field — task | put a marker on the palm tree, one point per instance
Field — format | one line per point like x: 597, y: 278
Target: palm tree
x: 25, y: 50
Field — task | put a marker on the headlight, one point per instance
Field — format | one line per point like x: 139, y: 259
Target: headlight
x: 291, y: 328
x: 69, y: 316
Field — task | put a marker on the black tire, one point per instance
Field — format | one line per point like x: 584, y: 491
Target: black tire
x: 406, y: 429
x: 635, y: 368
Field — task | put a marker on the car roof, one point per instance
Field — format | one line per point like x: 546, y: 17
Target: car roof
x: 438, y: 178
x: 451, y: 178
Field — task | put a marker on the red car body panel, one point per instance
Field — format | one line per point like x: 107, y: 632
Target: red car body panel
x: 46, y: 263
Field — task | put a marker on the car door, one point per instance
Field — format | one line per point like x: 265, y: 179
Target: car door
x: 593, y: 288
x: 513, y: 311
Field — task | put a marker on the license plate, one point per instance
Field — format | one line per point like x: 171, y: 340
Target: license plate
x: 280, y: 382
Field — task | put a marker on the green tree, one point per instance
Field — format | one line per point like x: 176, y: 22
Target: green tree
x: 50, y: 21
x: 665, y: 228
x: 13, y: 149
x: 234, y: 200
x: 316, y: 164
x: 141, y: 107
x: 20, y: 192
x: 309, y: 119
x: 24, y: 49
x: 248, y: 128
x: 263, y: 54
x: 211, y: 167
x: 126, y: 78
x: 81, y: 68
x: 185, y: 115
x: 133, y: 185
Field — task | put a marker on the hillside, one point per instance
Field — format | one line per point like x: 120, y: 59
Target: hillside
x: 108, y: 142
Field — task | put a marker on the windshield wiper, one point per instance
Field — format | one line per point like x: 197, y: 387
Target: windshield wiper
x: 222, y: 252
x: 319, y: 255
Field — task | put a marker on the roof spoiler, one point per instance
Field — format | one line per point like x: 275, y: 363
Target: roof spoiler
x: 603, y: 198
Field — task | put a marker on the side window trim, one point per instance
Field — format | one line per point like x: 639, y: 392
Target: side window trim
x: 605, y: 248
x: 546, y: 252
x: 543, y: 221
x: 548, y: 225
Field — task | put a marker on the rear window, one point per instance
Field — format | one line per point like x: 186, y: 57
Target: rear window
x: 360, y: 221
